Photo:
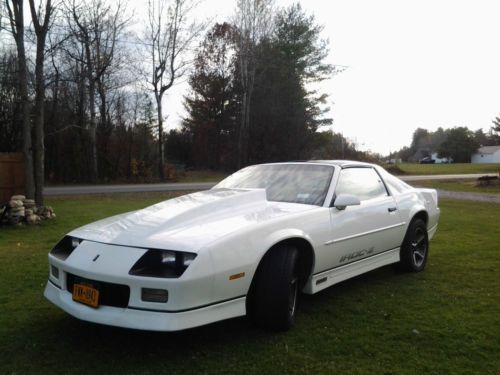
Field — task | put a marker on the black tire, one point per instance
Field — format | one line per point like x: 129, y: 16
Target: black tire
x: 415, y: 248
x: 275, y: 290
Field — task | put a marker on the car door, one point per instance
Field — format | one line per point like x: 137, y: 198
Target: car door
x: 366, y: 230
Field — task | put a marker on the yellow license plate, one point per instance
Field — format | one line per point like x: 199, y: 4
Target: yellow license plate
x: 86, y: 294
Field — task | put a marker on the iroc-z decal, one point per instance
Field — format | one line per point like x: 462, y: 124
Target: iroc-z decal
x: 357, y: 254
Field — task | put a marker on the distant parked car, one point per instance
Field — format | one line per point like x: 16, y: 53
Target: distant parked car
x: 427, y: 160
x: 249, y: 245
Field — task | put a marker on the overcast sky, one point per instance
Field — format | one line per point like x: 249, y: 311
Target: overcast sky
x: 410, y: 64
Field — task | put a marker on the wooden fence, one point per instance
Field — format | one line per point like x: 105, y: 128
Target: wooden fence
x: 11, y: 175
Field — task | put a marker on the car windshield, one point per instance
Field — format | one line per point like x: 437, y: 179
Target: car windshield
x: 295, y: 183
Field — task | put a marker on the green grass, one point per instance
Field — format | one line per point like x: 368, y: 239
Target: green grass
x: 454, y: 168
x: 458, y: 185
x: 445, y: 320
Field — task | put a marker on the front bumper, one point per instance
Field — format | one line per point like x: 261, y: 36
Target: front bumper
x: 145, y: 319
x: 190, y: 299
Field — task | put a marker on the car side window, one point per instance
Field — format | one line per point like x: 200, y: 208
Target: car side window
x: 364, y: 183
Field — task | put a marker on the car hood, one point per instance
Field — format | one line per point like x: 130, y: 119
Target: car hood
x: 189, y: 222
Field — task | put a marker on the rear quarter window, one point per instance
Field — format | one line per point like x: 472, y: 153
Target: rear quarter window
x: 394, y: 184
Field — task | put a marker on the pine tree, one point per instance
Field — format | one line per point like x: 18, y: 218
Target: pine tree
x: 212, y: 104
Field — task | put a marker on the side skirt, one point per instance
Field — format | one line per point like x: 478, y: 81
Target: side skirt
x: 335, y: 275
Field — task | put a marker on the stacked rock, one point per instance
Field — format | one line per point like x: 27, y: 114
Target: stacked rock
x: 19, y: 210
x: 46, y: 212
x: 31, y: 212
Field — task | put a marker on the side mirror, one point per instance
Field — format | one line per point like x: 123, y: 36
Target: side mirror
x: 345, y: 200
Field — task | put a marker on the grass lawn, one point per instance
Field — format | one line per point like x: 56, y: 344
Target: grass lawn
x: 454, y: 168
x: 443, y: 320
x: 458, y: 185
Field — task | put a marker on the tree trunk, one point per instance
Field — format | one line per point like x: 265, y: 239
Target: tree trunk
x: 41, y: 34
x: 102, y: 107
x: 16, y: 16
x: 27, y: 142
x: 241, y: 133
x: 103, y: 131
x: 92, y: 133
x: 93, y: 149
x: 161, y: 157
x: 94, y: 173
x: 246, y: 140
x: 244, y: 134
x: 81, y: 121
x: 39, y: 124
x: 129, y: 159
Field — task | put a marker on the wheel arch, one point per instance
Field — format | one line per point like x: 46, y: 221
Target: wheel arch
x: 419, y: 214
x: 305, y: 260
x: 422, y: 214
x: 408, y: 249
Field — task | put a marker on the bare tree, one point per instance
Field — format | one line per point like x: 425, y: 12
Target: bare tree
x: 170, y: 35
x: 83, y: 34
x: 106, y: 58
x: 97, y: 27
x: 41, y: 29
x: 3, y: 13
x: 15, y: 11
x: 254, y: 22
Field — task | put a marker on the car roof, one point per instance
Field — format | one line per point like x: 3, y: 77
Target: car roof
x: 337, y: 163
x: 342, y: 163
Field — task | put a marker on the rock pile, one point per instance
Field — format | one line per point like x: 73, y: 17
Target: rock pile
x: 21, y: 210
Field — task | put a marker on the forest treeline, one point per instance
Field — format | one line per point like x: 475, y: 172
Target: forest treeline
x: 82, y: 89
x: 457, y: 144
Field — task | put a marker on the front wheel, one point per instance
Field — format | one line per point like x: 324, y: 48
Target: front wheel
x: 276, y: 289
x: 415, y: 247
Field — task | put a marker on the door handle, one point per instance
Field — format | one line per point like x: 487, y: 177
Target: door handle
x: 392, y: 209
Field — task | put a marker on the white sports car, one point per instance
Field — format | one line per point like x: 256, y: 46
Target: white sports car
x: 247, y: 246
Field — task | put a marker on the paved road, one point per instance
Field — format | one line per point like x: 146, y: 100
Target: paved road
x: 466, y: 196
x: 128, y: 188
x: 446, y: 177
x: 194, y: 186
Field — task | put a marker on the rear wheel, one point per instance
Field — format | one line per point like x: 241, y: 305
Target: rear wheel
x: 415, y: 248
x: 276, y: 289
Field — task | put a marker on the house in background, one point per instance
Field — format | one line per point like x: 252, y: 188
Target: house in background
x: 438, y: 160
x: 427, y: 155
x: 487, y: 154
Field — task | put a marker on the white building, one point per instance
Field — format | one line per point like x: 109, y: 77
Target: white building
x: 434, y: 156
x: 487, y: 154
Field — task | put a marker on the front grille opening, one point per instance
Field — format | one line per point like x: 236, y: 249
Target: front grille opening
x: 115, y: 295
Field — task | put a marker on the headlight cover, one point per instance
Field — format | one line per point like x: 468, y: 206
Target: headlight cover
x: 65, y: 247
x: 162, y: 263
